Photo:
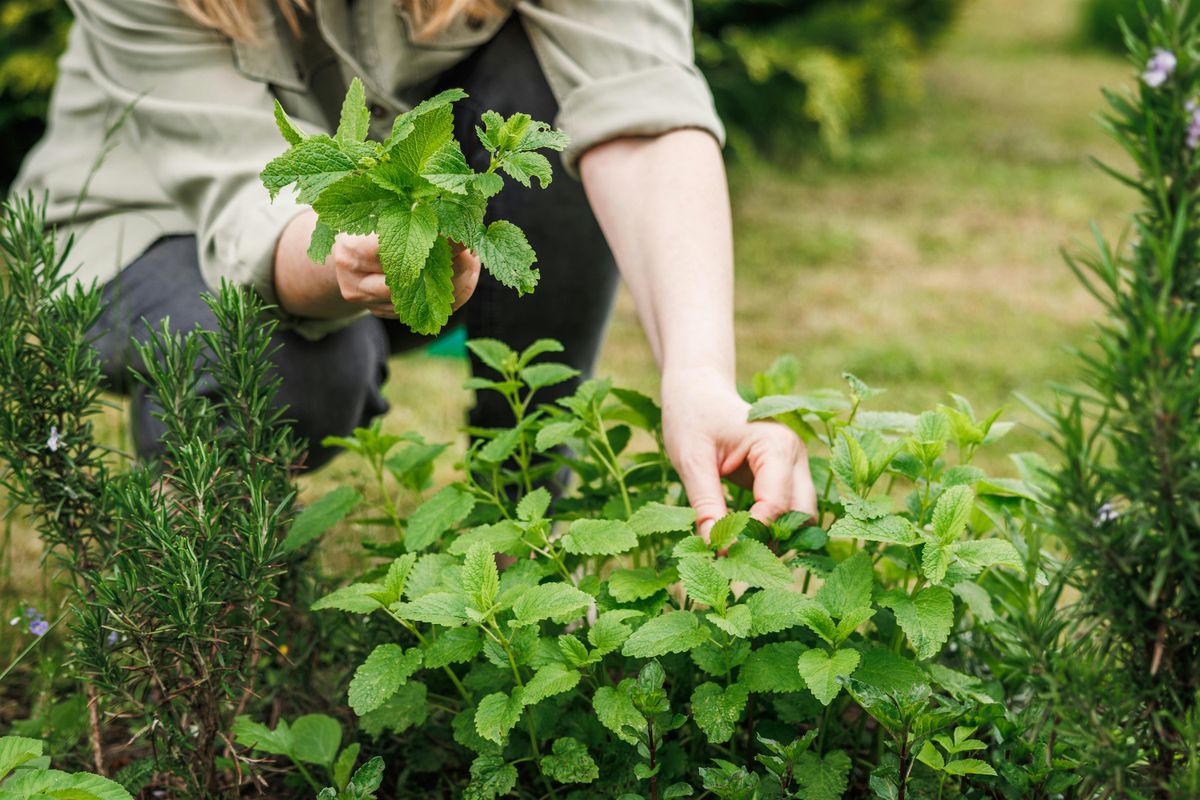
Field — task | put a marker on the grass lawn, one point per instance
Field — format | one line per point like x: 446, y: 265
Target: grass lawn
x: 926, y: 261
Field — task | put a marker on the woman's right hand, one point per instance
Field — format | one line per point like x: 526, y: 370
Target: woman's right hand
x: 351, y: 279
x: 355, y: 261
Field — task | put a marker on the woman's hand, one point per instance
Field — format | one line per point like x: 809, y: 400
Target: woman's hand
x: 351, y: 279
x: 708, y: 437
x: 360, y: 279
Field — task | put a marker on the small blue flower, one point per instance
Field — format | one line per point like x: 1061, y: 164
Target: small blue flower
x: 39, y: 627
x: 31, y: 612
x: 53, y: 442
x: 1160, y: 66
x: 112, y: 638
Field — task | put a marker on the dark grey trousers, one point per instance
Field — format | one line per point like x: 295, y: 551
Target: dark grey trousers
x: 332, y: 385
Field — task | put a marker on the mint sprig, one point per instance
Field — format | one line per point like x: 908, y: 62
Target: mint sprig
x: 416, y: 191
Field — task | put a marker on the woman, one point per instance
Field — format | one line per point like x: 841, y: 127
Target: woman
x: 177, y: 204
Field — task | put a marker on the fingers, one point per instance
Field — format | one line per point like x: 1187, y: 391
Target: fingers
x: 466, y: 276
x: 804, y: 493
x: 360, y: 275
x: 774, y: 480
x: 698, y: 471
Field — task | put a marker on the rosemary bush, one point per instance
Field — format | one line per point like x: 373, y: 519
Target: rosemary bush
x: 1128, y: 494
x: 174, y: 565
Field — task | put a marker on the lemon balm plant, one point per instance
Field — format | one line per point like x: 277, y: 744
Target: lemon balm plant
x: 417, y: 192
x: 585, y: 643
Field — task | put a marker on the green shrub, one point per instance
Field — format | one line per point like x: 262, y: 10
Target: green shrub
x: 802, y: 659
x: 1100, y: 22
x: 1127, y: 498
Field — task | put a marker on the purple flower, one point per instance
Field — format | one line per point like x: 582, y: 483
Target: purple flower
x: 31, y: 612
x: 53, y: 442
x: 1159, y: 68
x: 112, y: 638
x: 39, y: 627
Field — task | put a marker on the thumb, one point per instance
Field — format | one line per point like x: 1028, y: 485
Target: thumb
x: 698, y: 471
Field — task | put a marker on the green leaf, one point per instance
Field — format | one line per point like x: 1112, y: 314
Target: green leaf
x: 539, y: 376
x: 425, y: 304
x: 984, y: 553
x: 523, y: 166
x: 357, y: 598
x: 53, y: 783
x: 952, y: 512
x: 969, y: 766
x: 436, y: 608
x: 772, y: 668
x: 750, y: 561
x: 447, y: 169
x: 430, y: 132
x: 727, y: 529
x: 353, y: 204
x: 502, y: 446
x: 320, y: 245
x: 816, y: 618
x: 615, y: 710
x: 491, y: 777
x: 610, y: 631
x: 599, y: 537
x: 454, y: 646
x: 316, y: 739
x: 717, y: 710
x: 287, y: 128
x: 344, y: 765
x: 569, y: 762
x: 820, y: 778
x: 480, y: 578
x: 926, y: 619
x: 930, y: 757
x: 655, y: 518
x: 736, y: 621
x: 935, y: 560
x: 533, y: 506
x: 887, y: 529
x: 321, y: 516
x: 376, y: 679
x: 435, y: 516
x: 548, y: 681
x: 554, y: 434
x: 703, y: 583
x: 888, y: 672
x: 503, y: 537
x: 774, y: 610
x: 822, y: 672
x: 560, y: 602
x: 355, y: 121
x: 505, y: 253
x: 313, y: 164
x: 848, y: 587
x: 257, y: 736
x: 674, y: 632
x: 406, y: 239
x: 16, y: 750
x: 460, y: 217
x: 497, y: 714
x: 405, y: 709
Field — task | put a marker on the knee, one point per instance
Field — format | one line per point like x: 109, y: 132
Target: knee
x: 332, y: 385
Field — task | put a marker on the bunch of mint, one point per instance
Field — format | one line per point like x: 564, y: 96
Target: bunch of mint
x: 416, y: 191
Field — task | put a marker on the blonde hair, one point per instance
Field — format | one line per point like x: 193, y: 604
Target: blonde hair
x: 235, y: 18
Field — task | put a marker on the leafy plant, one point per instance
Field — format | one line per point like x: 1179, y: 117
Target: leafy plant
x: 417, y: 192
x: 25, y: 774
x: 615, y: 642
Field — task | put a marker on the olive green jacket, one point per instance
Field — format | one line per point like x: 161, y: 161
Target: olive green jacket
x: 200, y: 126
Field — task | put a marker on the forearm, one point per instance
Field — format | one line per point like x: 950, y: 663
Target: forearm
x: 663, y: 204
x: 303, y: 288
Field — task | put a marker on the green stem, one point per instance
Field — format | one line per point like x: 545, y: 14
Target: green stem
x: 307, y: 775
x: 462, y: 690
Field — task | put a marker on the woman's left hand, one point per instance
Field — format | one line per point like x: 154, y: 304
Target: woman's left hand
x: 708, y: 438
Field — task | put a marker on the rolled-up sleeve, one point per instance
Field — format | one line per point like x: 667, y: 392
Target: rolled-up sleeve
x: 202, y: 128
x: 619, y: 68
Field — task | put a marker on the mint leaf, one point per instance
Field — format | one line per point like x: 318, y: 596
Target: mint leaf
x: 405, y: 709
x: 951, y: 513
x: 320, y: 517
x: 750, y: 561
x: 491, y: 777
x: 320, y: 245
x: 615, y: 710
x: 357, y: 598
x: 447, y: 169
x: 430, y: 132
x: 978, y: 555
x: 480, y: 578
x: 460, y: 217
x: 885, y: 529
x: 355, y: 121
x: 313, y: 164
x: 703, y: 583
x: 658, y: 518
x: 406, y: 238
x: 316, y: 739
x: 926, y: 618
x: 848, y: 587
x: 437, y: 608
x: 774, y: 610
x: 521, y: 167
x: 610, y: 631
x: 505, y: 252
x: 569, y: 762
x: 425, y: 304
x: 354, y: 204
x: 728, y: 528
x: 822, y: 672
x: 435, y: 516
x: 560, y: 602
x: 291, y: 134
x: 454, y: 646
x: 376, y: 679
x: 629, y: 585
x: 497, y: 714
x: 548, y: 681
x: 595, y: 537
x: 16, y: 750
x: 717, y: 710
x: 772, y: 668
x: 674, y: 632
x: 820, y: 778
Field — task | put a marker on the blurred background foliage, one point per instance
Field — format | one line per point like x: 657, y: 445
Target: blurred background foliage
x: 32, y: 34
x: 783, y: 68
x: 1099, y: 22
